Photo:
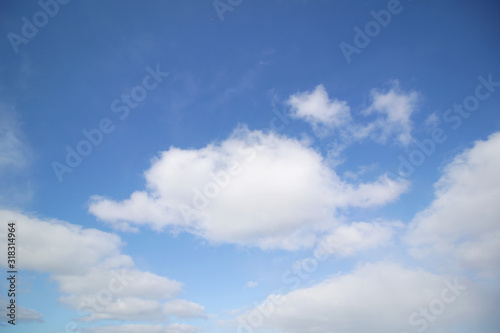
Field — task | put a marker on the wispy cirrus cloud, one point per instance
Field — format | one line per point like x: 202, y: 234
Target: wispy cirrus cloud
x: 14, y: 152
x: 16, y: 157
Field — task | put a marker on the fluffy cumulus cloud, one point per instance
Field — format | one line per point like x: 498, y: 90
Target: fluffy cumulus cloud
x: 144, y: 284
x: 316, y: 108
x: 460, y: 225
x: 379, y: 297
x: 124, y: 294
x: 462, y: 222
x: 388, y: 117
x: 395, y: 109
x: 44, y: 239
x: 94, y: 276
x: 254, y: 188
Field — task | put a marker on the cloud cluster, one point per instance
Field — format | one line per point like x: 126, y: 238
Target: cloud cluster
x: 458, y: 231
x: 392, y: 110
x: 271, y: 191
x: 94, y: 276
x: 262, y: 189
x: 254, y: 188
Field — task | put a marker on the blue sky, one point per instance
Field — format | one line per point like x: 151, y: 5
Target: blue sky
x: 251, y: 166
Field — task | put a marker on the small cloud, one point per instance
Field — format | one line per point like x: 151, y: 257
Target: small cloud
x: 14, y: 151
x: 24, y: 315
x: 432, y: 121
x: 16, y: 157
x: 394, y: 109
x: 363, y: 169
x: 317, y: 108
x: 252, y: 284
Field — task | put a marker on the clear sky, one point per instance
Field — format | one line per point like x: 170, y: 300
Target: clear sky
x: 251, y: 166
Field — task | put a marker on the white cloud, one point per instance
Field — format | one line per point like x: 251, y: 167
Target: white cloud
x: 144, y: 284
x: 14, y: 151
x: 44, y: 239
x: 23, y: 314
x: 377, y: 193
x: 93, y: 275
x: 316, y: 108
x: 396, y: 108
x: 252, y: 284
x: 432, y: 120
x: 126, y: 308
x: 463, y: 220
x: 349, y: 239
x: 137, y: 328
x: 363, y: 169
x: 184, y: 309
x: 380, y: 297
x: 134, y: 308
x: 16, y: 156
x: 254, y: 188
x: 392, y: 109
x: 461, y: 223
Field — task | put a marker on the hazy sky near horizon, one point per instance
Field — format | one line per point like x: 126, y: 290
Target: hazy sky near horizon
x: 251, y: 166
